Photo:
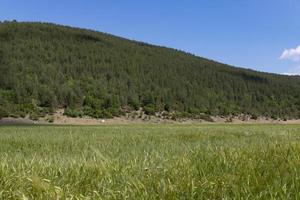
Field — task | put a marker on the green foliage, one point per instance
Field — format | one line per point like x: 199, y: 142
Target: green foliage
x: 134, y: 103
x: 34, y: 117
x: 50, y: 119
x: 47, y: 97
x: 149, y: 109
x: 58, y: 66
x: 150, y: 162
x: 3, y: 112
x: 73, y: 112
x: 254, y: 116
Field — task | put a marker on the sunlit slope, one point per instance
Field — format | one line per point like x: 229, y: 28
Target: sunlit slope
x: 47, y: 66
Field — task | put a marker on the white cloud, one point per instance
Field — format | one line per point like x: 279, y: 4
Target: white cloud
x: 291, y: 54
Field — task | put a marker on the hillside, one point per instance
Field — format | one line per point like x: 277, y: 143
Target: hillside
x: 45, y: 66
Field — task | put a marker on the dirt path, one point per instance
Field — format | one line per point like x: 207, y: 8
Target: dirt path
x: 60, y: 119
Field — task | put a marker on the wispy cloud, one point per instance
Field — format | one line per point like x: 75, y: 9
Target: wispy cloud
x: 291, y: 54
x: 293, y: 71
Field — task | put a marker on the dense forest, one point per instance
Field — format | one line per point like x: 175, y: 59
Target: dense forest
x: 44, y: 67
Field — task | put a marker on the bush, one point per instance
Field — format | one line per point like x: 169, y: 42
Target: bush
x: 107, y: 114
x: 73, y: 112
x: 97, y: 114
x: 184, y: 115
x: 3, y: 113
x: 50, y: 119
x: 274, y: 117
x: 114, y: 111
x: 149, y: 109
x: 254, y: 116
x: 134, y: 104
x: 34, y: 116
x: 88, y: 111
x: 284, y: 119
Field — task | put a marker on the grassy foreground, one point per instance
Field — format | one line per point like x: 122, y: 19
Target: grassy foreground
x: 150, y: 162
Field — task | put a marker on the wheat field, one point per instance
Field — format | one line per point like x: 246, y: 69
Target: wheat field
x: 150, y: 162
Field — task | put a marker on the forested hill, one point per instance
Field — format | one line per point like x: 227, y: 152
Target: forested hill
x: 45, y: 66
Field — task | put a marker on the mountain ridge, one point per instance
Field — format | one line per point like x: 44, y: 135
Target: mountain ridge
x: 145, y: 43
x: 44, y: 66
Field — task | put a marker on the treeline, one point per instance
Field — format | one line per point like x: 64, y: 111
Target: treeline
x: 44, y: 67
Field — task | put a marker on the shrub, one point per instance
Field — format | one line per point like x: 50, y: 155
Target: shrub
x: 274, y: 117
x: 88, y: 111
x: 113, y: 111
x: 107, y: 114
x: 149, y: 109
x: 98, y: 114
x: 285, y: 119
x: 50, y: 119
x: 34, y: 116
x: 3, y: 113
x: 254, y: 116
x: 134, y: 104
x: 73, y: 112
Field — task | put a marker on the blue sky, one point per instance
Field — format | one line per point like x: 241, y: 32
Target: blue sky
x: 257, y: 34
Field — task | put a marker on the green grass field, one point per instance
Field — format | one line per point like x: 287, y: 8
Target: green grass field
x: 150, y: 162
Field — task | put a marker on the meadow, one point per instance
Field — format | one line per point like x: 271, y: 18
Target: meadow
x: 150, y: 162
